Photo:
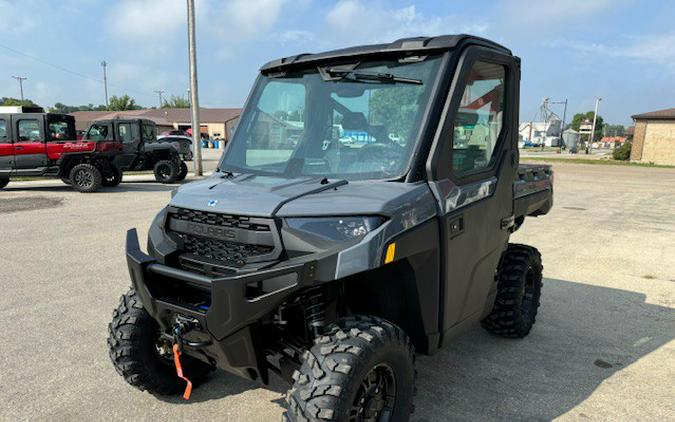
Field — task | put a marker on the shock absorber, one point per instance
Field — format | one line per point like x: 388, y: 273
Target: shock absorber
x: 315, y: 310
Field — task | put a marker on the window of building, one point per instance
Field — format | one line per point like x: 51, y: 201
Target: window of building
x: 479, y: 120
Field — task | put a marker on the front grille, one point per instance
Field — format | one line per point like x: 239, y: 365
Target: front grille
x: 215, y: 219
x: 231, y: 253
x: 222, y: 239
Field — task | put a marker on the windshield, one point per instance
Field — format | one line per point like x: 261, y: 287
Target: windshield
x: 355, y: 124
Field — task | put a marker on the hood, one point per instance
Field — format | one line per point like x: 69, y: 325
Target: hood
x: 267, y: 196
x: 250, y: 195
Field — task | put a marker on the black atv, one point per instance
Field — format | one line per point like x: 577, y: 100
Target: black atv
x: 141, y: 151
x: 360, y: 215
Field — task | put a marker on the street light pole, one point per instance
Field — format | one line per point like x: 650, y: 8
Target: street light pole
x: 595, y: 119
x: 20, y: 79
x: 105, y: 82
x: 159, y: 92
x: 194, y: 98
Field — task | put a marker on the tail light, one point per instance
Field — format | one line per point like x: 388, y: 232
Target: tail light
x: 107, y: 146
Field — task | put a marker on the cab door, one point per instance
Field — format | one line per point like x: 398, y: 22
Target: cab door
x: 6, y: 145
x: 30, y: 148
x: 471, y: 171
x: 128, y: 134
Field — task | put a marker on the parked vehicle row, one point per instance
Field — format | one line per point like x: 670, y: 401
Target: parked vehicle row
x: 38, y: 144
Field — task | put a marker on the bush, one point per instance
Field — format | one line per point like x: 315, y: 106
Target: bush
x: 623, y: 152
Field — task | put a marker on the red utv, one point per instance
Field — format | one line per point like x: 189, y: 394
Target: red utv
x: 38, y: 144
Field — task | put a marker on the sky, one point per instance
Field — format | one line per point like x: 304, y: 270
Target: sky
x: 620, y: 50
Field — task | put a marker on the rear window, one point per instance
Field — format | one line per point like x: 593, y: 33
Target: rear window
x: 3, y: 130
x: 61, y: 128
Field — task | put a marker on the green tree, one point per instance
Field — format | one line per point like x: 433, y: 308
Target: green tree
x: 615, y: 130
x: 66, y: 109
x: 580, y: 118
x: 10, y: 101
x: 122, y: 103
x: 395, y: 108
x: 176, y: 101
x: 623, y: 152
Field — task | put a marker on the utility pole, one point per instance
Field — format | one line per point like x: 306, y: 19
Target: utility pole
x: 105, y: 82
x: 20, y: 79
x: 595, y: 119
x: 159, y: 92
x: 194, y: 99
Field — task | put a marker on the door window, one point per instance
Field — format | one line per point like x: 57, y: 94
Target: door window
x: 29, y: 130
x: 3, y: 130
x: 98, y: 132
x: 149, y: 133
x: 479, y: 120
x: 60, y: 130
x: 125, y: 132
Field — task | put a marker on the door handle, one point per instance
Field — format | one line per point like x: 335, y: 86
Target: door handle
x: 18, y: 147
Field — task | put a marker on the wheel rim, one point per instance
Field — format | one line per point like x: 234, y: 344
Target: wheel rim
x: 528, y: 292
x: 376, y: 397
x: 83, y: 178
x: 164, y: 171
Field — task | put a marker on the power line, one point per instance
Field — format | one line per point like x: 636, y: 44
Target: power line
x: 159, y: 92
x: 73, y: 72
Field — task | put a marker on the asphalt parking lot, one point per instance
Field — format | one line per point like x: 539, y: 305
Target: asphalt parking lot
x: 603, y: 346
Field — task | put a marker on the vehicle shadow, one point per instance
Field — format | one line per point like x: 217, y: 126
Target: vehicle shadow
x: 583, y: 335
x: 222, y: 384
x: 134, y: 186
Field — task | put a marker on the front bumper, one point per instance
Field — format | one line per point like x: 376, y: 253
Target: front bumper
x: 227, y: 308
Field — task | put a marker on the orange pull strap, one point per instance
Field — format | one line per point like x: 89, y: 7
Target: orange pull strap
x: 179, y: 372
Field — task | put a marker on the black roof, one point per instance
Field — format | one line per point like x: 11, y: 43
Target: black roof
x: 413, y: 45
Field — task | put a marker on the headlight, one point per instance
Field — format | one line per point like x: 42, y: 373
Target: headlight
x: 336, y: 228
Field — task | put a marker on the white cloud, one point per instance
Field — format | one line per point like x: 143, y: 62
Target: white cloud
x: 241, y: 20
x: 15, y: 20
x: 551, y: 12
x: 358, y: 21
x: 147, y: 24
x: 659, y: 49
x: 293, y: 36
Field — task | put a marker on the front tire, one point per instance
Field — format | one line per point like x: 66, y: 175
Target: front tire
x: 86, y: 178
x: 362, y: 369
x: 135, y: 351
x: 113, y: 178
x: 518, y: 293
x: 182, y: 173
x: 166, y: 171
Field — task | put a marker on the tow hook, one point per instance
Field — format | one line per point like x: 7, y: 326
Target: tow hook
x: 182, y: 326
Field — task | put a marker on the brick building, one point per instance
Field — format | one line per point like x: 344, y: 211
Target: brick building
x: 654, y: 137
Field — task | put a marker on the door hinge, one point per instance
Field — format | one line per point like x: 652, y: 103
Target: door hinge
x: 508, y: 222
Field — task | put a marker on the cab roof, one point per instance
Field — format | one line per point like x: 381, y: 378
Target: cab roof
x: 411, y: 46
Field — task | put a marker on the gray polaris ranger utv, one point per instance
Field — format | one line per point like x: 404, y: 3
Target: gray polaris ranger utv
x: 361, y: 214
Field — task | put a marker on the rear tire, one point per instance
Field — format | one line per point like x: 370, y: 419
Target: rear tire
x: 132, y: 346
x: 182, y: 173
x: 518, y: 293
x: 3, y: 183
x: 166, y: 171
x: 362, y: 369
x: 114, y: 178
x: 86, y: 178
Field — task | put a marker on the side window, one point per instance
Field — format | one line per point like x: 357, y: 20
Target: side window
x: 98, y: 132
x: 479, y: 120
x: 3, y: 130
x: 124, y: 132
x: 149, y: 133
x: 29, y: 130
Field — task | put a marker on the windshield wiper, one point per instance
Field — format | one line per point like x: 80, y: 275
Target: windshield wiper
x: 355, y: 75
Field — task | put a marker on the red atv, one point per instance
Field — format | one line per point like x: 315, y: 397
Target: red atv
x: 38, y: 144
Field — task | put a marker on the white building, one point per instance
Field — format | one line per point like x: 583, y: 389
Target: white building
x: 537, y: 133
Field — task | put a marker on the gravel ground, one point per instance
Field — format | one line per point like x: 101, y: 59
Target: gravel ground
x: 603, y: 347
